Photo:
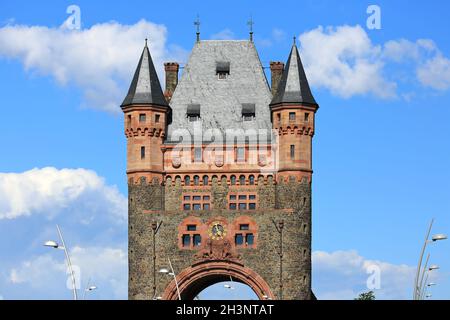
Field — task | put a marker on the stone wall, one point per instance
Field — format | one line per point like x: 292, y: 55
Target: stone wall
x: 289, y: 201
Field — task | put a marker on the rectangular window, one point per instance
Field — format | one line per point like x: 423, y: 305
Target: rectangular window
x: 191, y: 227
x: 142, y: 117
x: 187, y: 206
x: 198, y: 154
x: 197, y: 198
x: 278, y: 117
x: 249, y: 239
x: 157, y: 117
x: 291, y: 116
x: 186, y: 240
x: 193, y: 118
x: 233, y: 197
x: 197, y: 206
x: 197, y: 240
x: 232, y: 206
x: 240, y: 154
x: 187, y: 198
x: 129, y: 120
x: 306, y: 116
x: 142, y: 153
x: 242, y: 197
x: 252, y: 197
x: 292, y: 152
x: 244, y: 227
x: 239, y: 239
x: 242, y: 206
x: 206, y: 206
x: 252, y: 206
x: 206, y: 198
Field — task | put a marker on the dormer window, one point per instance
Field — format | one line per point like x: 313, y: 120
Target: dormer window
x: 193, y: 112
x: 248, y: 111
x: 222, y: 69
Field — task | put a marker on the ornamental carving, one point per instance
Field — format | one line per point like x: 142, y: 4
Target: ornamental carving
x: 217, y: 250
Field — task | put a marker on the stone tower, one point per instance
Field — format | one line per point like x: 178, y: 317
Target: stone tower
x: 220, y: 180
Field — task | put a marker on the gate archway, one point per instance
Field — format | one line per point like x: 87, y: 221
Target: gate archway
x: 192, y: 280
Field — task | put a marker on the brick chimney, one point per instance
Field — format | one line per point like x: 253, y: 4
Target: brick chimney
x: 171, y: 69
x: 276, y: 71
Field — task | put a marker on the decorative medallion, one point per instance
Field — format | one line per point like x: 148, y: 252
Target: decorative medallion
x: 217, y: 230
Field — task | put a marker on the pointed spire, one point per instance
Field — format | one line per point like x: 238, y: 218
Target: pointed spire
x: 145, y: 87
x: 250, y: 23
x: 293, y: 86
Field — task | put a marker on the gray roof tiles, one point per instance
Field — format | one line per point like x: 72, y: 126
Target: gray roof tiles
x: 293, y: 86
x: 145, y: 87
x: 221, y: 100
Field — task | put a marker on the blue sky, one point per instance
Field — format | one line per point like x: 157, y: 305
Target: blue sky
x: 381, y: 149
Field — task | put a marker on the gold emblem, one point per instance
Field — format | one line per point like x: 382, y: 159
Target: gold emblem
x: 217, y: 231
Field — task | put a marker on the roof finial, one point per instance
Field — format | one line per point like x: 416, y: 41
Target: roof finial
x: 295, y: 40
x: 146, y: 42
x: 197, y: 24
x: 250, y: 23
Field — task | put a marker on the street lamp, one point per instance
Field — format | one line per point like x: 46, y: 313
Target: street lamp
x: 418, y: 282
x: 438, y: 237
x: 171, y: 273
x: 433, y: 267
x: 55, y: 245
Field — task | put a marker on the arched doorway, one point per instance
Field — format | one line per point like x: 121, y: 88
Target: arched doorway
x: 193, y: 280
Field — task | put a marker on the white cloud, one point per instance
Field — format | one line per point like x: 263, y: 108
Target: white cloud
x: 343, y: 275
x: 105, y: 267
x: 225, y: 34
x: 49, y: 191
x: 435, y: 73
x: 344, y: 60
x: 99, y: 60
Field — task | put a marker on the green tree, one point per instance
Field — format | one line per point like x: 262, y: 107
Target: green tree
x: 370, y: 295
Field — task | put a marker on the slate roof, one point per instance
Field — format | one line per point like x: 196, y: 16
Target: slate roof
x: 145, y: 87
x: 293, y: 86
x: 221, y: 100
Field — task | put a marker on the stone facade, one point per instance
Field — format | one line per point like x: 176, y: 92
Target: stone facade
x: 289, y: 202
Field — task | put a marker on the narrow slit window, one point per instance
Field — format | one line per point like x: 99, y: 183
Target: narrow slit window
x: 198, y: 154
x: 291, y: 116
x: 157, y: 117
x: 142, y: 153
x: 292, y: 152
x: 142, y: 117
x: 306, y: 116
x: 129, y: 120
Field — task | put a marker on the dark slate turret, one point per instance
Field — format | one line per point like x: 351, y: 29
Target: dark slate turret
x: 145, y: 87
x: 293, y: 87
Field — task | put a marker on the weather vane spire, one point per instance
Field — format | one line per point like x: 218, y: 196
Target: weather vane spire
x: 197, y: 24
x: 295, y: 40
x: 250, y: 24
x: 146, y: 42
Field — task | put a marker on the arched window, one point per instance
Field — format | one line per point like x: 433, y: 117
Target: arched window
x: 205, y: 180
x: 242, y: 180
x: 251, y: 180
x: 233, y: 180
x: 196, y: 180
x: 187, y: 180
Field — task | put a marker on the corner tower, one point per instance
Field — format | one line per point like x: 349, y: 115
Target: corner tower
x: 146, y: 115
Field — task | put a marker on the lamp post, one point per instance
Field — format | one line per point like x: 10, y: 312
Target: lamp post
x: 55, y: 245
x: 420, y: 273
x: 88, y: 289
x: 171, y: 273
